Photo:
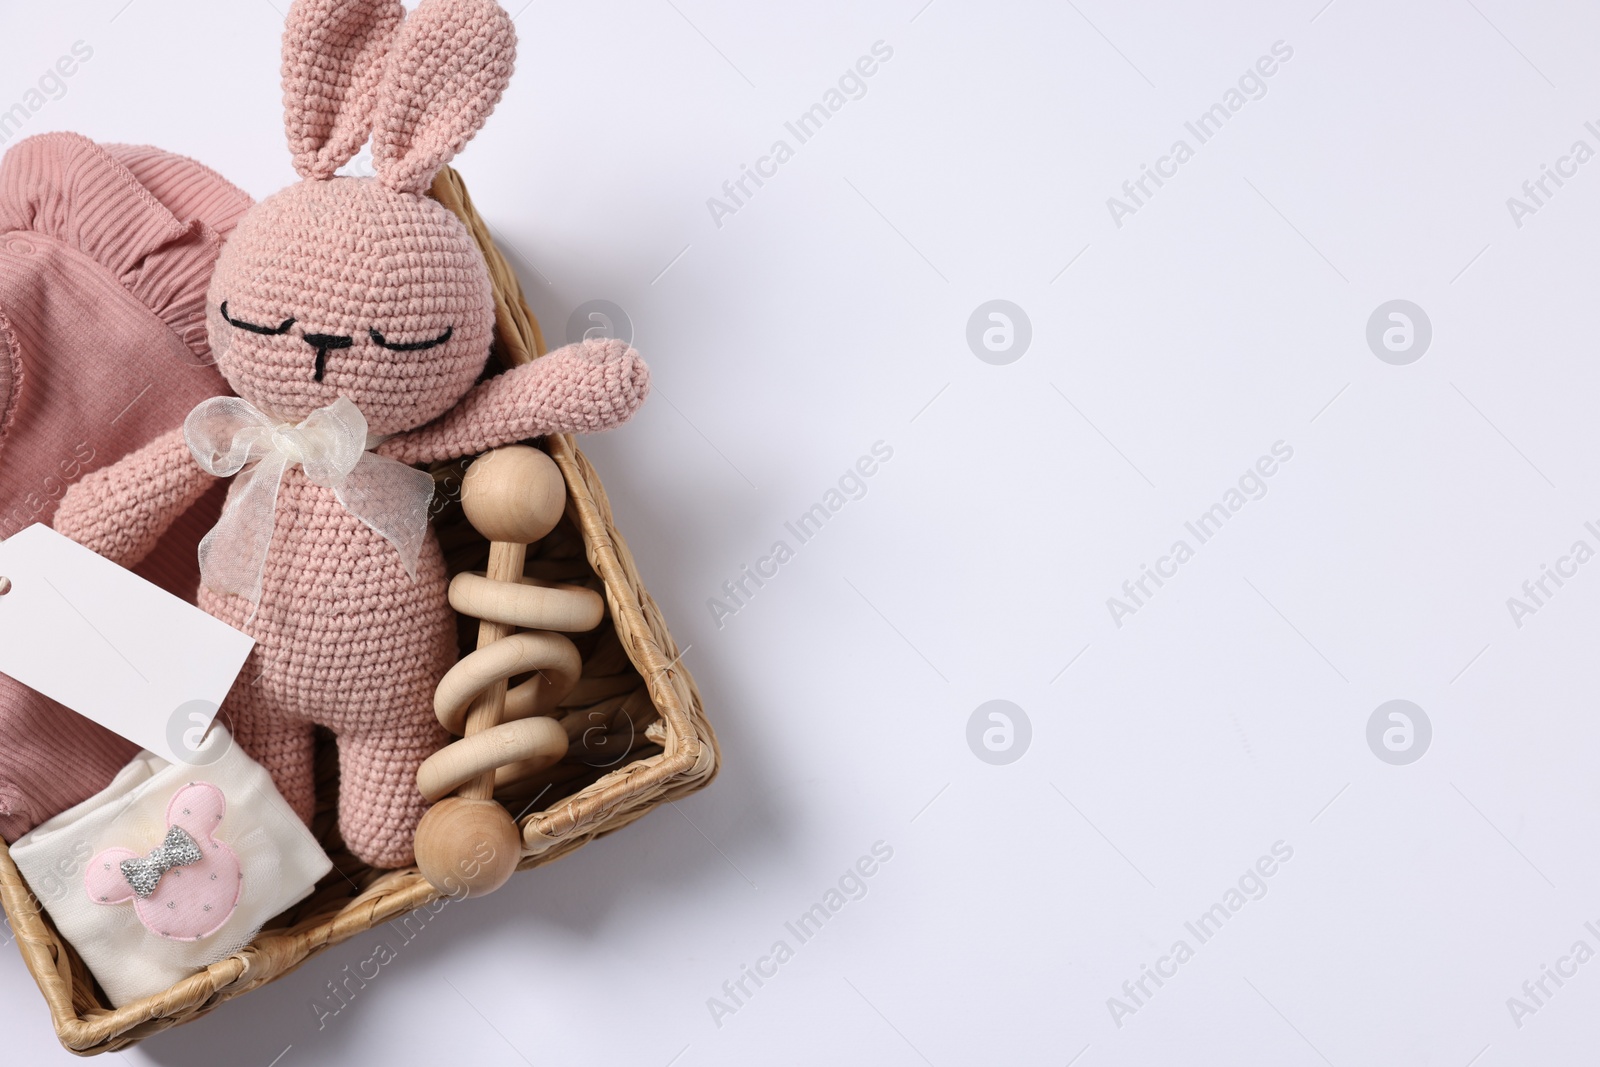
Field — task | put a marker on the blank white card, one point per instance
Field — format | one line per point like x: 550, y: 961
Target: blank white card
x: 112, y: 646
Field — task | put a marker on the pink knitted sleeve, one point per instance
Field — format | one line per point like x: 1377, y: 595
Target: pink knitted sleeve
x: 582, y: 388
x: 122, y: 510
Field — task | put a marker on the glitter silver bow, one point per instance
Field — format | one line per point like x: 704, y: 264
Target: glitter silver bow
x: 178, y: 850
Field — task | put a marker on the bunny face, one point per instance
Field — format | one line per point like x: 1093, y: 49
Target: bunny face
x: 364, y: 288
x: 346, y: 288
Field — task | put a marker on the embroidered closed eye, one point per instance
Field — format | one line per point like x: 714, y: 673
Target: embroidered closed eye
x: 415, y: 346
x: 267, y: 331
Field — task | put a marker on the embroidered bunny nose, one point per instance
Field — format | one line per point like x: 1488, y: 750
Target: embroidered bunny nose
x: 323, y: 342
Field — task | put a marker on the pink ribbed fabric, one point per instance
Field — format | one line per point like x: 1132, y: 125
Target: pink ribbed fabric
x: 367, y: 290
x: 105, y: 253
x: 188, y: 189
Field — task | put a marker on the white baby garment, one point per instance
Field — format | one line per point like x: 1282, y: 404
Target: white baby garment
x: 171, y: 867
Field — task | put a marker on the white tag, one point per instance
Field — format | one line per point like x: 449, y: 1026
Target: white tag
x: 113, y: 647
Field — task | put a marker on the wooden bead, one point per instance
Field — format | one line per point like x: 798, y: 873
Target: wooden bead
x: 514, y: 494
x: 554, y: 656
x: 525, y: 742
x: 532, y: 603
x: 468, y: 847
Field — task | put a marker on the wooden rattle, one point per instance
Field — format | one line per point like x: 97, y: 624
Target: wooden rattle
x: 513, y: 496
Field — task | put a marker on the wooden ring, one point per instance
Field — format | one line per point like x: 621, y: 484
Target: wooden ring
x: 553, y: 655
x: 539, y: 695
x: 533, y: 604
x: 526, y: 742
x: 511, y: 773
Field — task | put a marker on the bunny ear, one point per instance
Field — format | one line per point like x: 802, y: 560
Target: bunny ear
x: 333, y: 60
x: 447, y: 69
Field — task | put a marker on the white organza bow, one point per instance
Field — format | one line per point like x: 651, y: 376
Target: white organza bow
x: 229, y: 436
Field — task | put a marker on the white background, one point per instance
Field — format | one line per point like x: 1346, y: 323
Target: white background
x: 1168, y: 754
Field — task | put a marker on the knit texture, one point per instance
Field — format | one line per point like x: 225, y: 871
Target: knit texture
x: 342, y: 258
x: 362, y: 289
x: 345, y: 639
x: 582, y: 388
x: 105, y: 253
x: 333, y: 53
x: 124, y: 520
x: 449, y: 66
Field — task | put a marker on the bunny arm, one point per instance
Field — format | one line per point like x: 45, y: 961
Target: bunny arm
x: 122, y: 510
x: 582, y: 388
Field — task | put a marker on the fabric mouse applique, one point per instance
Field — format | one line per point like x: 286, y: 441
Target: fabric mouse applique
x: 185, y: 888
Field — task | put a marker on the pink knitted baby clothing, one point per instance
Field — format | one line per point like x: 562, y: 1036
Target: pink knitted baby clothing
x: 105, y: 254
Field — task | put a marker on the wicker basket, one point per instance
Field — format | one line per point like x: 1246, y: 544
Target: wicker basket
x: 649, y: 743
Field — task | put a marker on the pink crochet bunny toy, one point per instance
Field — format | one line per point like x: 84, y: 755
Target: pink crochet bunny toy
x: 352, y: 314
